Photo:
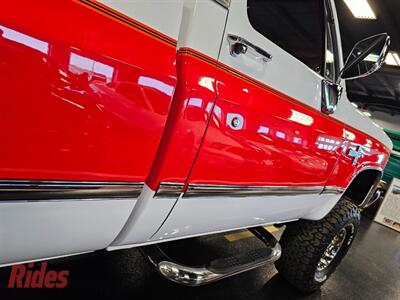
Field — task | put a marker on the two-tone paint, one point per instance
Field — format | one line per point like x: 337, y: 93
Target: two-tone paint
x: 85, y: 96
x: 281, y: 141
x: 149, y: 114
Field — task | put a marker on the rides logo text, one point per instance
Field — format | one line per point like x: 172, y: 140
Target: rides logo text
x: 27, y: 276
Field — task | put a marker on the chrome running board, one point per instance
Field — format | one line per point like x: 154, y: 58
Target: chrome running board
x: 216, y: 269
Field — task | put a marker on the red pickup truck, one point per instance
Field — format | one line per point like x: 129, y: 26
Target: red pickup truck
x: 131, y: 123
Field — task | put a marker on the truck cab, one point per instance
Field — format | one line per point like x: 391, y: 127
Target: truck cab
x: 131, y: 123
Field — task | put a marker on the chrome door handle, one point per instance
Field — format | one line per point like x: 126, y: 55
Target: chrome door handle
x: 238, y: 46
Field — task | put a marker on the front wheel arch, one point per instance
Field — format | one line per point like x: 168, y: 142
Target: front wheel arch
x: 363, y: 186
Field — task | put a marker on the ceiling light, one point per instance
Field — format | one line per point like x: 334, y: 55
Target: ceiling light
x: 329, y: 57
x: 360, y: 9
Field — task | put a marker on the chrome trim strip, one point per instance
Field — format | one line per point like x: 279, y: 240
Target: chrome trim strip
x: 169, y: 189
x: 365, y: 169
x: 38, y: 190
x: 64, y: 200
x: 333, y: 190
x: 224, y: 3
x: 396, y: 153
x: 204, y: 190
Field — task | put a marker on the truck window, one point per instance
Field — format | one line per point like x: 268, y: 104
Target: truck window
x: 297, y: 26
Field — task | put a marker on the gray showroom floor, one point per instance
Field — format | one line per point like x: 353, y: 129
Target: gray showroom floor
x: 370, y: 271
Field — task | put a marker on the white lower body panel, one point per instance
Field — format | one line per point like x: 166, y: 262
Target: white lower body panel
x: 202, y: 215
x: 145, y: 219
x: 34, y: 230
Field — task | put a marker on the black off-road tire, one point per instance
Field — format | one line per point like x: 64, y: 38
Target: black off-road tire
x: 305, y: 242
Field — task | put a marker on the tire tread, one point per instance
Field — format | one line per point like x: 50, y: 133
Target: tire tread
x: 303, y: 243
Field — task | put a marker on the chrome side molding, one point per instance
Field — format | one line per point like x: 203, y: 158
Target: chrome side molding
x: 169, y: 189
x: 38, y: 190
x: 333, y: 190
x: 201, y: 190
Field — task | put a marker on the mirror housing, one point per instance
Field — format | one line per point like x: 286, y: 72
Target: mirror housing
x: 331, y: 94
x: 366, y: 57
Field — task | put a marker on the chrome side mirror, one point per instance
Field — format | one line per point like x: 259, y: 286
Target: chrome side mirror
x: 366, y: 57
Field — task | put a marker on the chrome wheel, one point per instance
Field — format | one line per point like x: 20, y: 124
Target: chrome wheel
x: 331, y: 252
x: 312, y: 250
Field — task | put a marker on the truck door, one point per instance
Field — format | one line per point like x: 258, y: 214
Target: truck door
x: 85, y: 91
x: 269, y: 149
x: 271, y: 130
